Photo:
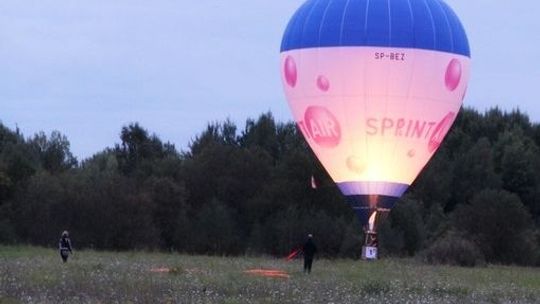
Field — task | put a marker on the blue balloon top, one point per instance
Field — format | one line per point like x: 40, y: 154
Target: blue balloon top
x: 420, y: 24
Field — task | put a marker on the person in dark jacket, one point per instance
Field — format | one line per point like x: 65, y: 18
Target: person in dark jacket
x: 65, y: 246
x: 309, y: 250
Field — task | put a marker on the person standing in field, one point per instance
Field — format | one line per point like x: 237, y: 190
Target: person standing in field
x: 65, y: 246
x: 309, y: 250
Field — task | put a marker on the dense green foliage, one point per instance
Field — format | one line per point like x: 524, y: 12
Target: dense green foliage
x: 248, y: 191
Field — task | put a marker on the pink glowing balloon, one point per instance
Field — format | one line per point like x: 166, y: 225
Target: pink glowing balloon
x: 374, y: 102
x: 453, y: 75
x: 323, y: 84
x: 291, y: 74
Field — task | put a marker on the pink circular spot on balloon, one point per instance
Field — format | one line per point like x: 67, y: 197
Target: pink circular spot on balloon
x: 411, y: 153
x: 322, y: 126
x: 289, y: 69
x: 453, y: 75
x: 355, y: 164
x: 323, y: 84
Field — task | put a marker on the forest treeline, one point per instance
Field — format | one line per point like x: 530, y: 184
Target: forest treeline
x: 248, y: 191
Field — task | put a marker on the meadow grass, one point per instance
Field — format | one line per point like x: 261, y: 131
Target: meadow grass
x: 37, y: 275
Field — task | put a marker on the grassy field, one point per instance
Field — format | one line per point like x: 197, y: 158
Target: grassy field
x: 37, y: 275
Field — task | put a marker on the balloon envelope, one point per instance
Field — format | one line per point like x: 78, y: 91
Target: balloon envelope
x: 374, y: 86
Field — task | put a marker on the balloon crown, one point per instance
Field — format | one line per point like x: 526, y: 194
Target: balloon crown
x: 420, y: 24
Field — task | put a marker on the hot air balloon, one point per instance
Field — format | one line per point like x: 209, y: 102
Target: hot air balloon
x: 374, y: 86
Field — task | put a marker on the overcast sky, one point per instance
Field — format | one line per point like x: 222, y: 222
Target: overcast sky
x: 86, y: 68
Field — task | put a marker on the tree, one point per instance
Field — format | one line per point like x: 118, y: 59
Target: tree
x: 216, y: 231
x: 215, y: 133
x: 518, y: 162
x: 19, y: 161
x: 168, y: 199
x: 353, y: 239
x: 262, y: 133
x: 38, y: 210
x: 139, y: 150
x: 500, y: 225
x: 474, y: 171
x: 406, y: 218
x: 250, y: 192
x: 434, y: 184
x: 54, y: 152
x: 6, y: 186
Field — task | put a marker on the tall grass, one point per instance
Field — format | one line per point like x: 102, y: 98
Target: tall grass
x: 37, y: 275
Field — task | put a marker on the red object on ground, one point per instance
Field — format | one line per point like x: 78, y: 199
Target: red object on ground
x: 272, y: 273
x: 293, y: 254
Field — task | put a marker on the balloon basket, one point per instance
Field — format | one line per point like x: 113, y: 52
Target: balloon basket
x: 370, y: 249
x: 369, y: 253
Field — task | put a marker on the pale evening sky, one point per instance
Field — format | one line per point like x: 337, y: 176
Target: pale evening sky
x: 87, y: 68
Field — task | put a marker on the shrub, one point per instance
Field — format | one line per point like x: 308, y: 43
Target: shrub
x: 455, y: 250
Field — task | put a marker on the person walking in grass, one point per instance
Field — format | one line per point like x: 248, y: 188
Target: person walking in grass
x: 309, y: 250
x: 65, y: 246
